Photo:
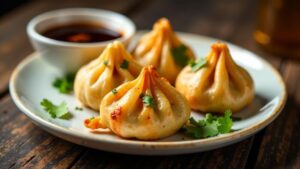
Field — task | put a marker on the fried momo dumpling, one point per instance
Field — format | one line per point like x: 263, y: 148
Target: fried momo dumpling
x: 218, y: 86
x: 146, y: 108
x: 163, y: 49
x: 112, y: 68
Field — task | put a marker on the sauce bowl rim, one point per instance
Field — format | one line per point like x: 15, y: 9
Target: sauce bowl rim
x: 93, y: 12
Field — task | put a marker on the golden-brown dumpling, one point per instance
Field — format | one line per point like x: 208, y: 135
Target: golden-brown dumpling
x: 112, y: 68
x: 220, y: 85
x: 146, y: 108
x: 163, y: 49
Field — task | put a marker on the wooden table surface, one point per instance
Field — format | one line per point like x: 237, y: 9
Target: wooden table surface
x: 24, y: 145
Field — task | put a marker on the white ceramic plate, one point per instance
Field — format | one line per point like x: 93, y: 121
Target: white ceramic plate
x: 32, y: 79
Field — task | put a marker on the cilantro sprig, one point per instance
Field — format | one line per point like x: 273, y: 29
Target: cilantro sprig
x: 180, y: 55
x: 105, y: 63
x: 65, y: 84
x: 196, y: 65
x: 148, y: 100
x: 78, y: 108
x: 124, y: 64
x: 56, y: 111
x: 114, y: 91
x: 209, y: 126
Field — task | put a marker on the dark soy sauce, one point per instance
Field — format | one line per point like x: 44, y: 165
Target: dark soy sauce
x: 81, y: 33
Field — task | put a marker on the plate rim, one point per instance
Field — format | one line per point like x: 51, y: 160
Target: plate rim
x: 223, y: 138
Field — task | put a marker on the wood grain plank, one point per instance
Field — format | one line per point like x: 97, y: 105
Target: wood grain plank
x: 23, y: 145
x: 99, y: 159
x: 280, y: 146
x: 14, y: 44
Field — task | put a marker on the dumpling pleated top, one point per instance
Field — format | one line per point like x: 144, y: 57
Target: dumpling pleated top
x: 163, y: 49
x: 146, y: 108
x: 219, y: 85
x: 112, y: 68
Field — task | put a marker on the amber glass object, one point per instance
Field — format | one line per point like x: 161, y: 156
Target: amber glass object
x: 278, y: 28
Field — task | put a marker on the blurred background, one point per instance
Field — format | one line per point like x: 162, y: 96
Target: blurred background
x: 274, y: 24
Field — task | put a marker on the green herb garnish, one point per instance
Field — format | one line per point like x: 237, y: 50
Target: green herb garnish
x: 56, y: 111
x: 124, y: 64
x: 65, y: 84
x: 105, y: 62
x: 200, y: 63
x: 114, y: 91
x: 79, y: 108
x: 209, y: 126
x: 148, y: 100
x: 180, y: 56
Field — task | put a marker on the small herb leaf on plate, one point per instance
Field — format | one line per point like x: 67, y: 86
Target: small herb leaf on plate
x: 225, y: 122
x: 56, y: 111
x: 209, y: 126
x: 65, y: 84
x: 78, y: 108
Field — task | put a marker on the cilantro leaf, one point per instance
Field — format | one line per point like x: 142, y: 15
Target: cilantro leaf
x: 124, y: 64
x: 78, y: 108
x: 225, y: 123
x: 201, y: 129
x: 65, y: 84
x: 209, y: 126
x: 56, y: 111
x: 200, y: 63
x: 210, y: 129
x: 193, y: 131
x: 179, y: 55
x: 114, y: 91
x: 105, y: 62
x: 148, y: 100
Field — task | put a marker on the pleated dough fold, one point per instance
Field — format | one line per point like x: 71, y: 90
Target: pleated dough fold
x: 146, y: 108
x: 112, y: 68
x: 220, y: 85
x: 164, y: 50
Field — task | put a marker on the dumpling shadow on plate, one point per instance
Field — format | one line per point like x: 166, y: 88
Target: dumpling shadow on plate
x: 260, y: 109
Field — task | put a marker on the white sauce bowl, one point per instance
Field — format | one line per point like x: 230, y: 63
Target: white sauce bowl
x: 70, y: 56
